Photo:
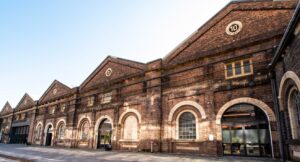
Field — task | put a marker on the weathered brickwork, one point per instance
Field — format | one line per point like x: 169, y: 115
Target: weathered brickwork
x: 287, y: 72
x: 134, y: 106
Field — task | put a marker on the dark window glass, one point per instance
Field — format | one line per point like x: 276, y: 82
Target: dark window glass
x: 229, y: 70
x: 238, y: 70
x: 297, y: 105
x: 187, y: 126
x: 247, y: 68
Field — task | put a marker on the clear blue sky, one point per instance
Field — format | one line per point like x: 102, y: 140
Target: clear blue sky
x: 67, y: 39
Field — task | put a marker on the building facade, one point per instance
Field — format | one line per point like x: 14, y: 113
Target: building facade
x: 286, y: 85
x: 211, y: 95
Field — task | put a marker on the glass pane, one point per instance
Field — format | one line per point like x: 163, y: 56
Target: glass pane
x: 253, y: 150
x: 187, y: 126
x: 226, y: 136
x: 264, y: 136
x: 297, y: 105
x: 247, y: 68
x: 251, y: 133
x: 238, y: 70
x: 238, y: 149
x: 237, y: 135
x: 229, y: 70
x: 227, y: 149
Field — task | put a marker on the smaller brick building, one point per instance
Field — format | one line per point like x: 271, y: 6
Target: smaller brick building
x: 285, y: 68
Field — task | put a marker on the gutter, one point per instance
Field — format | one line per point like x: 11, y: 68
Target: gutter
x: 278, y: 117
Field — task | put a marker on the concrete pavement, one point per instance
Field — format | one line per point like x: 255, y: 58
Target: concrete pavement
x: 52, y: 154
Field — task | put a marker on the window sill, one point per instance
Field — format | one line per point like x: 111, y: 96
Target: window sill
x: 124, y: 140
x: 238, y: 76
x: 186, y: 140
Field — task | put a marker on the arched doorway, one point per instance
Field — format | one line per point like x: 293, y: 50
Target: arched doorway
x: 245, y: 131
x: 104, y: 135
x: 49, y: 136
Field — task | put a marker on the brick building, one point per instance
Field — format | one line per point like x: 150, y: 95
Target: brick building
x: 211, y: 95
x: 286, y: 85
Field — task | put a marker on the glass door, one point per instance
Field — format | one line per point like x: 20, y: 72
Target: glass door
x: 245, y: 132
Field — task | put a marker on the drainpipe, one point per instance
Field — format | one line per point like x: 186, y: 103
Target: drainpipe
x: 277, y: 112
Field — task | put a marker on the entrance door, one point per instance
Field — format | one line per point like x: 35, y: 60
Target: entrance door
x: 245, y: 131
x: 49, y: 136
x: 104, y: 134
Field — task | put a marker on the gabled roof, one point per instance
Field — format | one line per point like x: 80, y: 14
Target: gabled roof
x: 6, y: 109
x: 248, y: 5
x: 120, y: 61
x: 287, y: 35
x: 22, y: 104
x: 59, y: 88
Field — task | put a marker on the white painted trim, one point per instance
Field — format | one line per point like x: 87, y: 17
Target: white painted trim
x: 189, y: 103
x: 45, y: 133
x: 288, y: 75
x: 267, y: 110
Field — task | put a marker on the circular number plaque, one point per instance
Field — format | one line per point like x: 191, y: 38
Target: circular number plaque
x: 234, y: 27
x: 108, y: 72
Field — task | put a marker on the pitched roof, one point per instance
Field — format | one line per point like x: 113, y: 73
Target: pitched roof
x: 117, y: 60
x: 29, y: 102
x: 63, y: 90
x: 232, y: 6
x: 6, y: 109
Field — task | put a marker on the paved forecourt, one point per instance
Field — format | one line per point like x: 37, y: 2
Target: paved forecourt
x: 51, y: 154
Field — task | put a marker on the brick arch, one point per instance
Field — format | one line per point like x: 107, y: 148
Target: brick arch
x: 59, y: 122
x: 289, y: 75
x: 82, y: 119
x: 35, y: 130
x: 45, y: 133
x: 47, y: 125
x: 39, y: 123
x: 187, y: 103
x: 268, y: 111
x: 139, y: 117
x: 98, y: 122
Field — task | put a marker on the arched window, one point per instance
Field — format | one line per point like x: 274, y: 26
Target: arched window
x: 84, y: 131
x: 131, y: 128
x: 61, y: 131
x: 294, y: 112
x: 187, y: 126
x: 38, y: 132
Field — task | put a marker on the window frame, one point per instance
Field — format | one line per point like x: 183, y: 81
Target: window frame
x: 60, y: 134
x: 125, y: 129
x: 233, y: 63
x: 293, y: 110
x: 91, y: 101
x: 82, y: 131
x: 178, y: 124
x: 39, y: 130
x: 106, y: 98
